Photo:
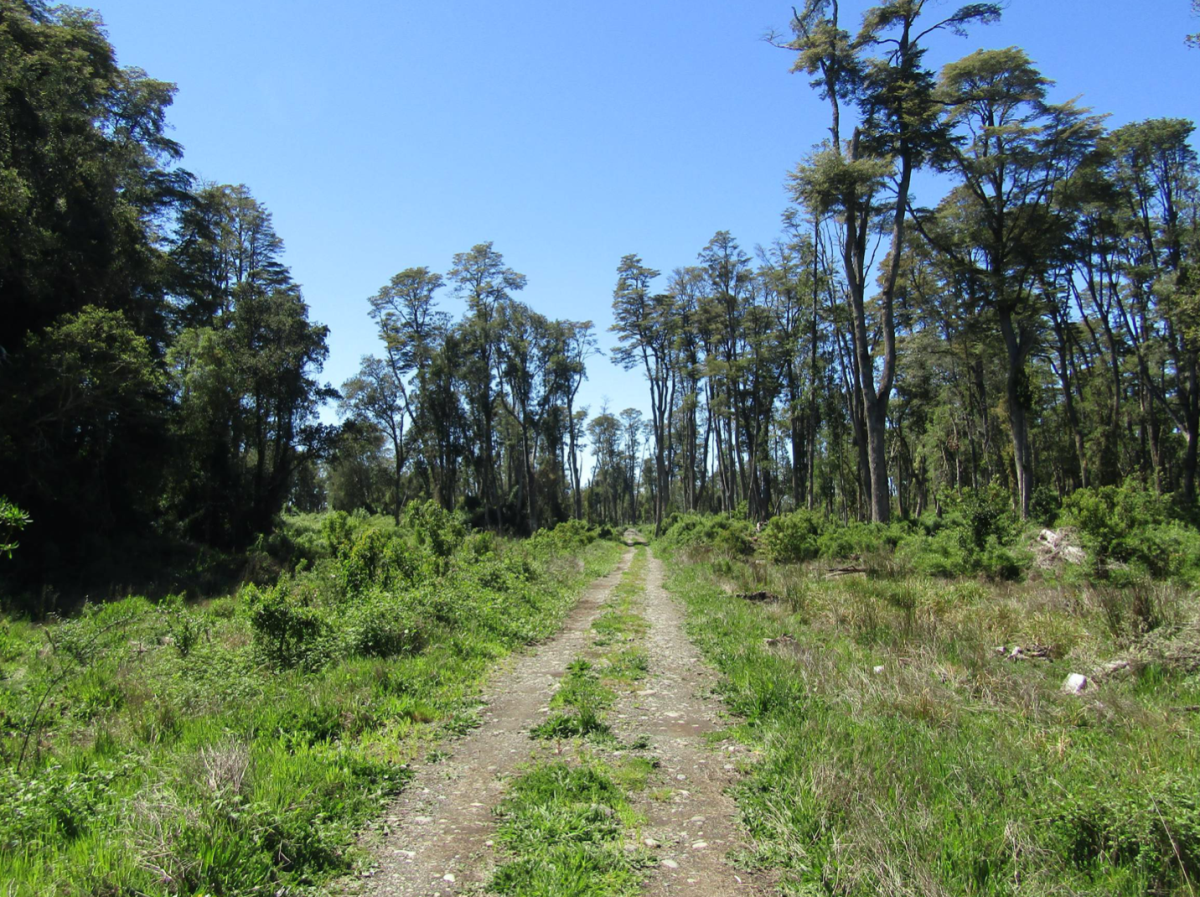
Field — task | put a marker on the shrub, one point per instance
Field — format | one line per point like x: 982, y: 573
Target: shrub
x: 289, y: 631
x: 384, y: 626
x: 793, y: 538
x: 853, y: 540
x: 723, y: 533
x: 1127, y: 524
x: 434, y: 528
x: 568, y: 534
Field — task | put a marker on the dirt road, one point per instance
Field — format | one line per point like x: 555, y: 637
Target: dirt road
x: 439, y: 841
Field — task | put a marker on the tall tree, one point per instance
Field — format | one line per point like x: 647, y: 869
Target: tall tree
x: 1012, y: 152
x: 644, y: 324
x: 480, y: 277
x: 897, y: 130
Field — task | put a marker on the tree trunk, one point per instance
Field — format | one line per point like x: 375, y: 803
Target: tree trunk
x: 1017, y: 343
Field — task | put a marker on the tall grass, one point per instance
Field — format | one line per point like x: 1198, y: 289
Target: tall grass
x: 904, y: 754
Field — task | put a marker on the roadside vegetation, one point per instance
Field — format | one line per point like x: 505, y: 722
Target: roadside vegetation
x: 566, y: 826
x: 907, y: 687
x: 234, y: 747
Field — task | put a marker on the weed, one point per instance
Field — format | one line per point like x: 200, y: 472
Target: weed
x: 564, y: 826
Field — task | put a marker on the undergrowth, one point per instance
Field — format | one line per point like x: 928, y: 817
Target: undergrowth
x: 236, y: 747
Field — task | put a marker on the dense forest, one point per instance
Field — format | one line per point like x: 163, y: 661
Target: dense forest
x: 1035, y: 331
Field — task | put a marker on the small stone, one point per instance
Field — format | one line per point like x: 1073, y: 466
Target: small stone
x: 681, y: 777
x: 670, y: 864
x: 877, y: 670
x: 1075, y: 684
x: 650, y: 842
x: 699, y: 845
x: 449, y: 876
x: 696, y: 819
x: 422, y: 820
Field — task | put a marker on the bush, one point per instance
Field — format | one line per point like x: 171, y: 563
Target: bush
x: 979, y: 533
x: 384, y: 626
x: 793, y: 538
x: 855, y: 540
x: 289, y: 631
x: 434, y: 528
x: 727, y: 534
x: 568, y: 534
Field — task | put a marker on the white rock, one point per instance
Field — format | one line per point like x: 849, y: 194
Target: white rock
x: 649, y: 842
x: 1075, y: 684
x: 699, y: 845
x: 670, y: 864
x: 877, y: 670
x: 449, y: 876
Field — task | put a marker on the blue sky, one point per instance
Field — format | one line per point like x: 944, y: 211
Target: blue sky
x: 389, y: 135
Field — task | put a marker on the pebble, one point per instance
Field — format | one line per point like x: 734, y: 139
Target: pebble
x: 670, y: 864
x: 650, y: 842
x: 449, y: 876
x: 422, y: 820
x: 699, y: 845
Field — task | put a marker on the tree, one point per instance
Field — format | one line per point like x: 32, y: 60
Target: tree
x: 528, y: 353
x: 644, y: 324
x: 242, y: 381
x: 1157, y: 176
x: 1012, y: 151
x: 87, y: 190
x: 409, y: 328
x: 375, y: 396
x: 896, y: 134
x: 578, y: 344
x: 93, y: 418
x: 481, y: 279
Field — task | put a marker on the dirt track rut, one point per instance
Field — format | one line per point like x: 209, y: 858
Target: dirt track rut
x: 440, y: 829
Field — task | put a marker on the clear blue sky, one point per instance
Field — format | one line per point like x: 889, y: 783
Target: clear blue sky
x: 385, y: 135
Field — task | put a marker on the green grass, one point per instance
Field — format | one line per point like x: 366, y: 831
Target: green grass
x: 180, y: 749
x: 585, y: 699
x: 952, y: 770
x: 566, y: 826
